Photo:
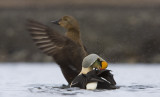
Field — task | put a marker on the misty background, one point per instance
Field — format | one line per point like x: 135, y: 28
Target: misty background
x: 126, y: 31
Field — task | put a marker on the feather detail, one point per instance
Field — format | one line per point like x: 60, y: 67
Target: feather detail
x: 60, y: 47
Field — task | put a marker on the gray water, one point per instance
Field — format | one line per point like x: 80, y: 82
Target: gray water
x: 46, y: 80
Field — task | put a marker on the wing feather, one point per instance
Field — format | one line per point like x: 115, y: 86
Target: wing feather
x: 65, y: 52
x: 45, y: 38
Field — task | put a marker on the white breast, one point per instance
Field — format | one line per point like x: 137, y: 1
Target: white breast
x: 91, y: 86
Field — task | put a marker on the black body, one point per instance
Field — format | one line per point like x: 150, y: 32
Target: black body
x: 103, y: 78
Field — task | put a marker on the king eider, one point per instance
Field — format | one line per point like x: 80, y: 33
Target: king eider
x: 67, y: 50
x: 94, y: 74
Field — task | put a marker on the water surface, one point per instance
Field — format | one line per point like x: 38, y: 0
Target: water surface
x: 46, y: 80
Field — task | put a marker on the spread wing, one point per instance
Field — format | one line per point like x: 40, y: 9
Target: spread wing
x: 65, y: 52
x: 45, y: 38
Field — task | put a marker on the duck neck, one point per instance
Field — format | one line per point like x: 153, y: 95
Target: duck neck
x: 85, y: 70
x: 74, y: 34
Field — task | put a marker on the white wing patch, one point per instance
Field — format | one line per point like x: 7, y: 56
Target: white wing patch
x: 105, y: 80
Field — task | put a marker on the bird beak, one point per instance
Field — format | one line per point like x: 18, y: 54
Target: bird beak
x: 104, y: 65
x: 56, y: 22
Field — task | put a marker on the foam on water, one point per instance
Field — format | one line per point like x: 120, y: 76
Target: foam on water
x: 46, y: 80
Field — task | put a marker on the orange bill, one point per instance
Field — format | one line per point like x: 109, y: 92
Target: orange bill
x: 104, y: 65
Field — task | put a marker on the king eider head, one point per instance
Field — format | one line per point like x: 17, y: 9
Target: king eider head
x: 93, y: 61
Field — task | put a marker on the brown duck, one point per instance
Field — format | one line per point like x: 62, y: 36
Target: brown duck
x: 67, y: 50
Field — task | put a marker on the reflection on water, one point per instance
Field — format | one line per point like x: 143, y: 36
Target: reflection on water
x: 65, y: 90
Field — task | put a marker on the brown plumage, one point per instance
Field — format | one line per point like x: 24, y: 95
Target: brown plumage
x: 67, y: 50
x: 73, y: 31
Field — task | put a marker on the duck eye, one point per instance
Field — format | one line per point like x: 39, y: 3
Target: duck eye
x: 65, y: 19
x: 98, y: 60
